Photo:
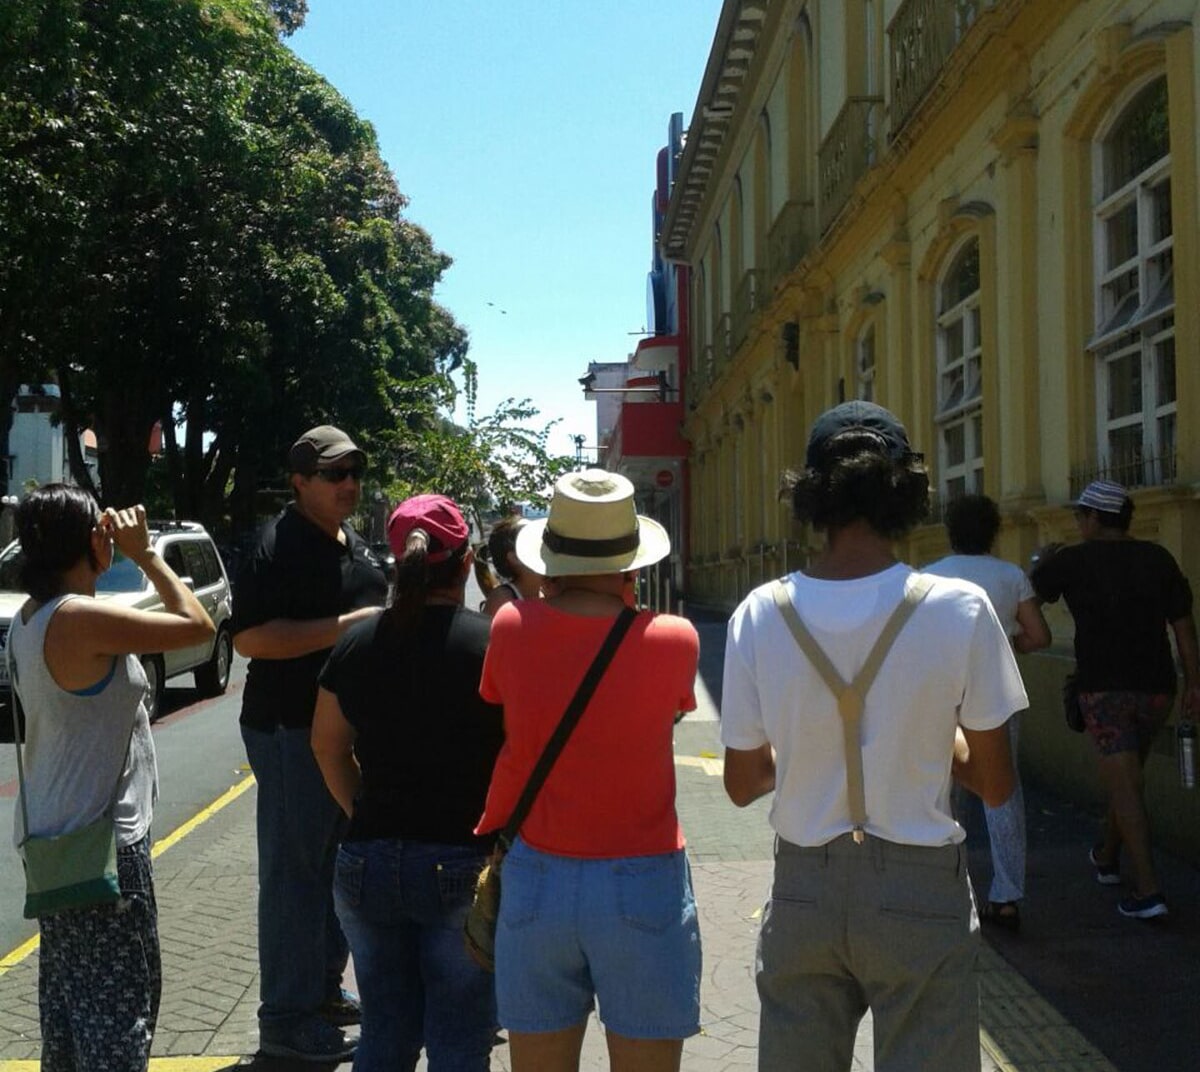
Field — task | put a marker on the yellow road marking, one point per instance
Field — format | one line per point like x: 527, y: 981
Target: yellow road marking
x: 11, y: 960
x: 709, y: 765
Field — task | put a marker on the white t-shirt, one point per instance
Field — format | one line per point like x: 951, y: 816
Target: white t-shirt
x: 950, y: 664
x: 1005, y: 584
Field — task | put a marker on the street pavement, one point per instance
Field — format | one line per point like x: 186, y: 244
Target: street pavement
x: 1078, y: 989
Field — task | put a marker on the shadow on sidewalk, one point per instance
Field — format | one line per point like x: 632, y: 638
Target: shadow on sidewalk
x: 1127, y: 986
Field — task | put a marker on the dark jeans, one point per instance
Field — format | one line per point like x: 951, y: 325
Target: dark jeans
x: 403, y: 904
x: 302, y: 951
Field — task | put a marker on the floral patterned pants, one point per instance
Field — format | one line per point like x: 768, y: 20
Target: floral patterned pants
x: 100, y: 977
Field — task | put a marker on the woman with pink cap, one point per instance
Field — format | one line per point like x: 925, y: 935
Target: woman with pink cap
x: 406, y: 746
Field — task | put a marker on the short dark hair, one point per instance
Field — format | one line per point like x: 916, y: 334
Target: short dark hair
x: 54, y: 524
x: 972, y: 522
x: 1120, y: 521
x: 857, y: 482
x: 503, y: 541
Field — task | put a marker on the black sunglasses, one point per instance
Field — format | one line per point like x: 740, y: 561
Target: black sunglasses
x: 336, y: 476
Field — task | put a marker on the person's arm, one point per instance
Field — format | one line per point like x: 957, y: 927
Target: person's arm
x: 496, y: 598
x: 1185, y: 643
x: 289, y: 638
x: 983, y: 763
x: 91, y: 628
x: 749, y: 774
x: 1035, y: 633
x: 332, y: 742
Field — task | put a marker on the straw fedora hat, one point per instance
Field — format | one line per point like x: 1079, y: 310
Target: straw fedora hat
x: 592, y: 528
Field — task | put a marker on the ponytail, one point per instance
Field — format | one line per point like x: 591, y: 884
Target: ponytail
x: 416, y: 576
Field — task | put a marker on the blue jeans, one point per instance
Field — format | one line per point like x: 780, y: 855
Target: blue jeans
x: 302, y: 952
x: 403, y: 904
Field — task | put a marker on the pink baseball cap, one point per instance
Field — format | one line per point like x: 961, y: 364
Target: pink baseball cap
x: 437, y: 516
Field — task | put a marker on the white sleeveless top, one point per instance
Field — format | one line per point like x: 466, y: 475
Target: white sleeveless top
x: 75, y: 744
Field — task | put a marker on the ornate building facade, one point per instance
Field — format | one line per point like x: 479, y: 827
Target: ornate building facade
x: 982, y: 215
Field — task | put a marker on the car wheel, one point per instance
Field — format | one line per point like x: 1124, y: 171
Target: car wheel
x: 212, y: 679
x: 156, y: 681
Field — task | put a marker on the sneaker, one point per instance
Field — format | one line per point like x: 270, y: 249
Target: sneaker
x: 1143, y: 907
x: 1106, y: 874
x: 311, y: 1040
x: 341, y: 1010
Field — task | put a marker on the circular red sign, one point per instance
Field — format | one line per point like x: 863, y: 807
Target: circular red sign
x: 664, y: 478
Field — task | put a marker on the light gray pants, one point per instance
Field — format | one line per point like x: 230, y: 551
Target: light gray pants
x: 1006, y: 832
x: 882, y: 926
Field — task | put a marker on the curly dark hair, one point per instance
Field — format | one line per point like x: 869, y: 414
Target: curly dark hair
x: 54, y: 524
x: 972, y: 522
x: 857, y: 482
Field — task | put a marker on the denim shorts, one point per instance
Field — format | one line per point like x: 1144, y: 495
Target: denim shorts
x: 621, y: 932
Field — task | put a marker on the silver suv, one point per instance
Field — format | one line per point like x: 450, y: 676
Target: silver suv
x: 189, y: 550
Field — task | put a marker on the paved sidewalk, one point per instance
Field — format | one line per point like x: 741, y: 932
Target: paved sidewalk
x: 1076, y: 956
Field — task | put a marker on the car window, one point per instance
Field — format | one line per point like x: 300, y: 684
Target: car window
x: 122, y: 576
x: 10, y: 569
x: 196, y: 566
x: 173, y: 557
x: 211, y: 560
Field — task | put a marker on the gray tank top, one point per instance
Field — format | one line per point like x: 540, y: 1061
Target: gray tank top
x: 75, y: 744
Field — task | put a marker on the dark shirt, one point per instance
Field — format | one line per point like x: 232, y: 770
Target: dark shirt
x: 426, y: 741
x: 301, y: 573
x: 1122, y: 594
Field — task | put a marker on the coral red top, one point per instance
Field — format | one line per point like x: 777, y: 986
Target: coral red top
x: 612, y: 790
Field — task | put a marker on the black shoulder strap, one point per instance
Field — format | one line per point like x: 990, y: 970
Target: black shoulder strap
x: 558, y: 738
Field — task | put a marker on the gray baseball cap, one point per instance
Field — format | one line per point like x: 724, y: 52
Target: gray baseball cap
x: 320, y: 446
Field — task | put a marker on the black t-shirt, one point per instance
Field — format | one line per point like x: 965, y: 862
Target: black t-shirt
x: 298, y: 572
x: 1122, y: 594
x: 426, y: 740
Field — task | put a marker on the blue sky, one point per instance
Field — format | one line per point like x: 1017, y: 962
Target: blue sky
x: 525, y: 133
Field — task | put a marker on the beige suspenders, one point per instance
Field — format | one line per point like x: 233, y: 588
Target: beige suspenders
x: 850, y: 697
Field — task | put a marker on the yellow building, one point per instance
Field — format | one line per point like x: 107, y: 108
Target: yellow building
x: 970, y: 212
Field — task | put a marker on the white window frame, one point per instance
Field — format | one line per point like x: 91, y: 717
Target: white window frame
x: 964, y: 415
x: 1138, y: 325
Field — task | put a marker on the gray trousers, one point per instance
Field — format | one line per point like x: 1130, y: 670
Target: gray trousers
x: 882, y: 926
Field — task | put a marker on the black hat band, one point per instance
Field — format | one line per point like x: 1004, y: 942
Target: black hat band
x: 579, y: 548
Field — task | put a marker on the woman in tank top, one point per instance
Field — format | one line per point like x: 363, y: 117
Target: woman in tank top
x: 83, y: 692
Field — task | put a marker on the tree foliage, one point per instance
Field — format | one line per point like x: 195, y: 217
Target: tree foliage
x: 494, y: 461
x: 197, y: 229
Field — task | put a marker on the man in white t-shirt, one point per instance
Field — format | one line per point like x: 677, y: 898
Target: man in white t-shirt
x: 973, y: 522
x: 876, y: 912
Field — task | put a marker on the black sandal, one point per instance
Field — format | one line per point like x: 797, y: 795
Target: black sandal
x: 1004, y: 914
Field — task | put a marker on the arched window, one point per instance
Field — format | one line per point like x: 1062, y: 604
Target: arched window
x: 864, y: 363
x: 1134, y: 340
x: 959, y: 413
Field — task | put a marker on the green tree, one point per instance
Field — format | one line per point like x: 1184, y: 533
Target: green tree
x: 497, y: 460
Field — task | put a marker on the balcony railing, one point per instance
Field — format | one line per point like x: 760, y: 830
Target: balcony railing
x: 786, y: 242
x: 850, y: 147
x: 1134, y: 470
x: 746, y: 302
x: 922, y: 35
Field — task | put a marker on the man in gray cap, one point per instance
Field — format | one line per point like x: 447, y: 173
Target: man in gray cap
x: 309, y: 579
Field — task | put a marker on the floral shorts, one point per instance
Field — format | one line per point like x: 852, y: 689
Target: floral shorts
x: 1124, y: 721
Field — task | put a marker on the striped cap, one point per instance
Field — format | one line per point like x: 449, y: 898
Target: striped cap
x: 1103, y: 495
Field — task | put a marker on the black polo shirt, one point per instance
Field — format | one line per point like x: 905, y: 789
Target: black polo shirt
x: 298, y: 572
